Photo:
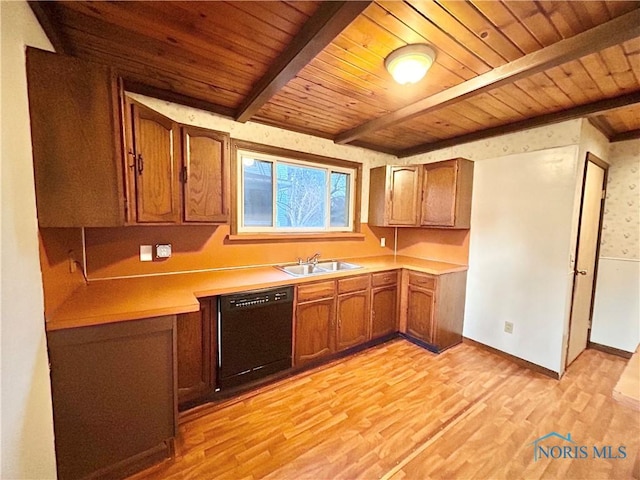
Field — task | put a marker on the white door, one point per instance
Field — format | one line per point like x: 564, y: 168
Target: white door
x: 586, y: 260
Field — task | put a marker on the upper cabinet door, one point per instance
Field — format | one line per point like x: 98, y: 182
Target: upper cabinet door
x: 446, y: 199
x: 77, y: 147
x: 439, y: 197
x: 404, y: 186
x: 205, y: 175
x: 156, y: 163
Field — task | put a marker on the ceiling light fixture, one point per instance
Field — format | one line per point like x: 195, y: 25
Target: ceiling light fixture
x: 410, y: 63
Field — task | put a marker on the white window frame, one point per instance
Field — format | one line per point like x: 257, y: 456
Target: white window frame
x: 274, y: 160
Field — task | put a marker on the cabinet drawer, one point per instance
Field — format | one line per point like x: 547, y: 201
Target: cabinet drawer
x: 316, y: 291
x: 353, y: 284
x: 384, y: 278
x: 422, y: 280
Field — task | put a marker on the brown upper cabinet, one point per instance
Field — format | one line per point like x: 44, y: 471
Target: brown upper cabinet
x: 153, y: 161
x: 206, y: 176
x: 102, y: 160
x: 446, y: 194
x: 162, y: 155
x: 77, y: 144
x: 436, y: 195
x: 393, y: 196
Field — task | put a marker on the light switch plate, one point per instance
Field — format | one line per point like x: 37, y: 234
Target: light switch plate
x: 383, y: 242
x: 163, y: 250
x: 146, y: 253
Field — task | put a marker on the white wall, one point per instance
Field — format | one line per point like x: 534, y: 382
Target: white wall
x: 27, y: 424
x: 519, y: 253
x: 522, y: 230
x: 616, y: 314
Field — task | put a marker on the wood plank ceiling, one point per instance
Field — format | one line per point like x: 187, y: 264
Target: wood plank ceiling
x: 318, y: 67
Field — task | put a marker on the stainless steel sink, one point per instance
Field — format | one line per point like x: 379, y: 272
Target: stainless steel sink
x: 303, y: 270
x: 308, y: 269
x: 336, y: 266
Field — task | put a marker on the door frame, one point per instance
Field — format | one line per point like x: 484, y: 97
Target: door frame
x: 590, y: 157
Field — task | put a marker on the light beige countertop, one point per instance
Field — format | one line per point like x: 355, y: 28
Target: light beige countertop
x: 116, y: 300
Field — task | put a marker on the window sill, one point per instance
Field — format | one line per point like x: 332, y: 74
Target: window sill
x: 269, y: 237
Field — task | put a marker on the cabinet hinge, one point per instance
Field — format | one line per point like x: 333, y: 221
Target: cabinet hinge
x: 183, y: 174
x: 604, y: 194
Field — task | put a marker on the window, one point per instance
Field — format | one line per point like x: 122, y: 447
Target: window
x: 280, y: 194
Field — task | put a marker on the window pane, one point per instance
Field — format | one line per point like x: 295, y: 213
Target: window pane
x: 340, y: 194
x: 258, y: 192
x: 301, y: 196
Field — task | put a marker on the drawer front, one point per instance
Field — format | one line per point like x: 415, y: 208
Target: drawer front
x: 384, y: 278
x: 353, y: 284
x: 422, y: 280
x: 316, y: 291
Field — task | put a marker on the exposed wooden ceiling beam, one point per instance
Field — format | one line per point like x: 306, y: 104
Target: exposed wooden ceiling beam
x: 600, y: 106
x: 46, y: 19
x: 601, y: 123
x: 618, y: 30
x: 630, y: 135
x: 319, y: 31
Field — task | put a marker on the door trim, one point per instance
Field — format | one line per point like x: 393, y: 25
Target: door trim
x: 605, y: 166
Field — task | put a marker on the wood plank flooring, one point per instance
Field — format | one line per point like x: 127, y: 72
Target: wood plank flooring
x: 400, y: 412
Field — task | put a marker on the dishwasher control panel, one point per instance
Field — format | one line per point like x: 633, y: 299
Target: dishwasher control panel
x: 243, y: 301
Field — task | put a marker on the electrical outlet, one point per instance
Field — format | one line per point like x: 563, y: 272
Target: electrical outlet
x: 146, y: 253
x: 508, y: 327
x: 163, y: 250
x: 383, y: 242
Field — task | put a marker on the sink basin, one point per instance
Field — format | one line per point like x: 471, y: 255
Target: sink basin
x: 302, y: 270
x: 337, y: 266
x: 308, y: 269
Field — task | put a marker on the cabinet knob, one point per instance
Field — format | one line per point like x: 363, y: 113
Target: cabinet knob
x: 581, y: 272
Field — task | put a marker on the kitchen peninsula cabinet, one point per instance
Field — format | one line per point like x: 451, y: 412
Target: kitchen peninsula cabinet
x: 434, y: 195
x: 114, y: 396
x: 352, y: 312
x: 384, y: 307
x: 435, y: 308
x: 76, y: 139
x: 315, y: 320
x: 196, y: 353
x: 176, y: 174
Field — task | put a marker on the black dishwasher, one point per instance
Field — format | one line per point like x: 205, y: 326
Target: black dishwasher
x: 254, y: 335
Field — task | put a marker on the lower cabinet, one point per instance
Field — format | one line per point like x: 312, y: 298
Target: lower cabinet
x: 352, y: 312
x: 114, y: 396
x: 384, y: 304
x: 420, y: 313
x: 435, y: 308
x: 197, y: 342
x: 314, y: 322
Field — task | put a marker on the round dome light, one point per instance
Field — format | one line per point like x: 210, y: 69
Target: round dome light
x: 410, y: 63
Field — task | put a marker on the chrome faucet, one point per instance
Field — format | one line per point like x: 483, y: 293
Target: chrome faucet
x: 314, y: 258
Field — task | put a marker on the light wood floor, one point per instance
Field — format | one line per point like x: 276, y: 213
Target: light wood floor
x: 398, y: 411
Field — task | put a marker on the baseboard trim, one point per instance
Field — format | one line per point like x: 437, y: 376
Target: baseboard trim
x: 514, y: 359
x: 611, y: 350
